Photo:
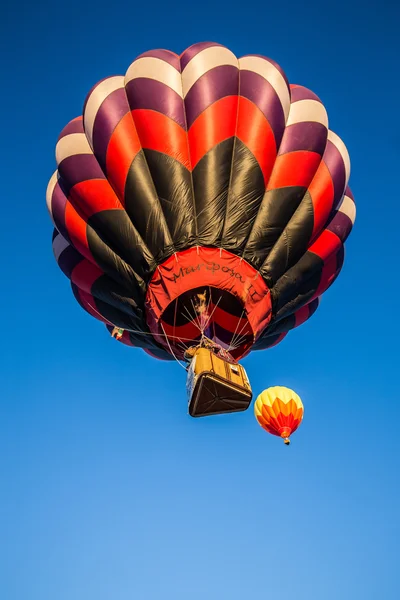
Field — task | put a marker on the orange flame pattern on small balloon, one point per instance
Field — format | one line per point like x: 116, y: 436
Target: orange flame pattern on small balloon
x: 279, y: 411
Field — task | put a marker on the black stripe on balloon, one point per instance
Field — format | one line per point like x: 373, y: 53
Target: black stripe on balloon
x: 144, y: 209
x: 276, y: 210
x: 211, y: 183
x: 266, y: 342
x: 173, y: 184
x: 114, y: 266
x: 297, y: 286
x: 279, y: 327
x: 287, y: 323
x: 105, y: 310
x: 117, y: 232
x: 245, y: 196
x: 157, y: 352
x: 118, y: 318
x: 292, y: 244
x: 107, y: 291
x: 312, y: 307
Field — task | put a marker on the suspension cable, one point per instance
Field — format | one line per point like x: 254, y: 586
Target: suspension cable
x: 138, y: 332
x: 170, y: 349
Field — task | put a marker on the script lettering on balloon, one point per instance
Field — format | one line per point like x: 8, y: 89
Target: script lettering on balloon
x: 214, y: 267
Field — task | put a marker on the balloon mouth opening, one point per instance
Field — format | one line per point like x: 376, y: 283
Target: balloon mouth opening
x: 211, y: 292
x: 285, y: 435
x: 207, y: 312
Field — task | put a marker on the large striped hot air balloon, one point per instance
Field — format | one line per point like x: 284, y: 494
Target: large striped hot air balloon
x: 204, y: 176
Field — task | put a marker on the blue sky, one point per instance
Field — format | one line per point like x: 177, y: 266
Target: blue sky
x: 108, y: 489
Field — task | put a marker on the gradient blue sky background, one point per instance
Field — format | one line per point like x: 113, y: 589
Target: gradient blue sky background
x: 109, y: 491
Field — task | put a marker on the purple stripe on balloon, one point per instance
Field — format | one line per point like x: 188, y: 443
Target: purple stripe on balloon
x: 304, y: 136
x: 154, y: 95
x: 58, y: 206
x: 212, y: 86
x: 166, y: 55
x: 192, y: 51
x: 273, y: 63
x: 341, y: 225
x: 110, y: 113
x: 78, y: 168
x: 263, y: 95
x: 301, y: 93
x: 75, y: 126
x: 334, y: 161
x: 68, y: 260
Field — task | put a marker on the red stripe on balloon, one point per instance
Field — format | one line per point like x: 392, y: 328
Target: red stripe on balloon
x: 123, y: 146
x: 322, y: 194
x: 302, y: 315
x: 93, y: 196
x: 326, y: 245
x: 294, y: 169
x: 158, y: 132
x: 214, y: 125
x: 85, y: 274
x: 76, y: 228
x: 237, y: 326
x: 254, y: 130
x: 189, y: 331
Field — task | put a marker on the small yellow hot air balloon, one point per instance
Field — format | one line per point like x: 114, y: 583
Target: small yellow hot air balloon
x: 279, y: 411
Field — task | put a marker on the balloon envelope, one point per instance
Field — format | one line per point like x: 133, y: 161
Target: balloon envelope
x: 279, y: 411
x: 200, y: 174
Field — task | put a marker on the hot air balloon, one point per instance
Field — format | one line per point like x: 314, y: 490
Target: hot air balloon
x: 279, y: 411
x: 201, y: 200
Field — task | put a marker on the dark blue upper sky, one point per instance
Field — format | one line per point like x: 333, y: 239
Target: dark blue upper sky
x: 108, y: 489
